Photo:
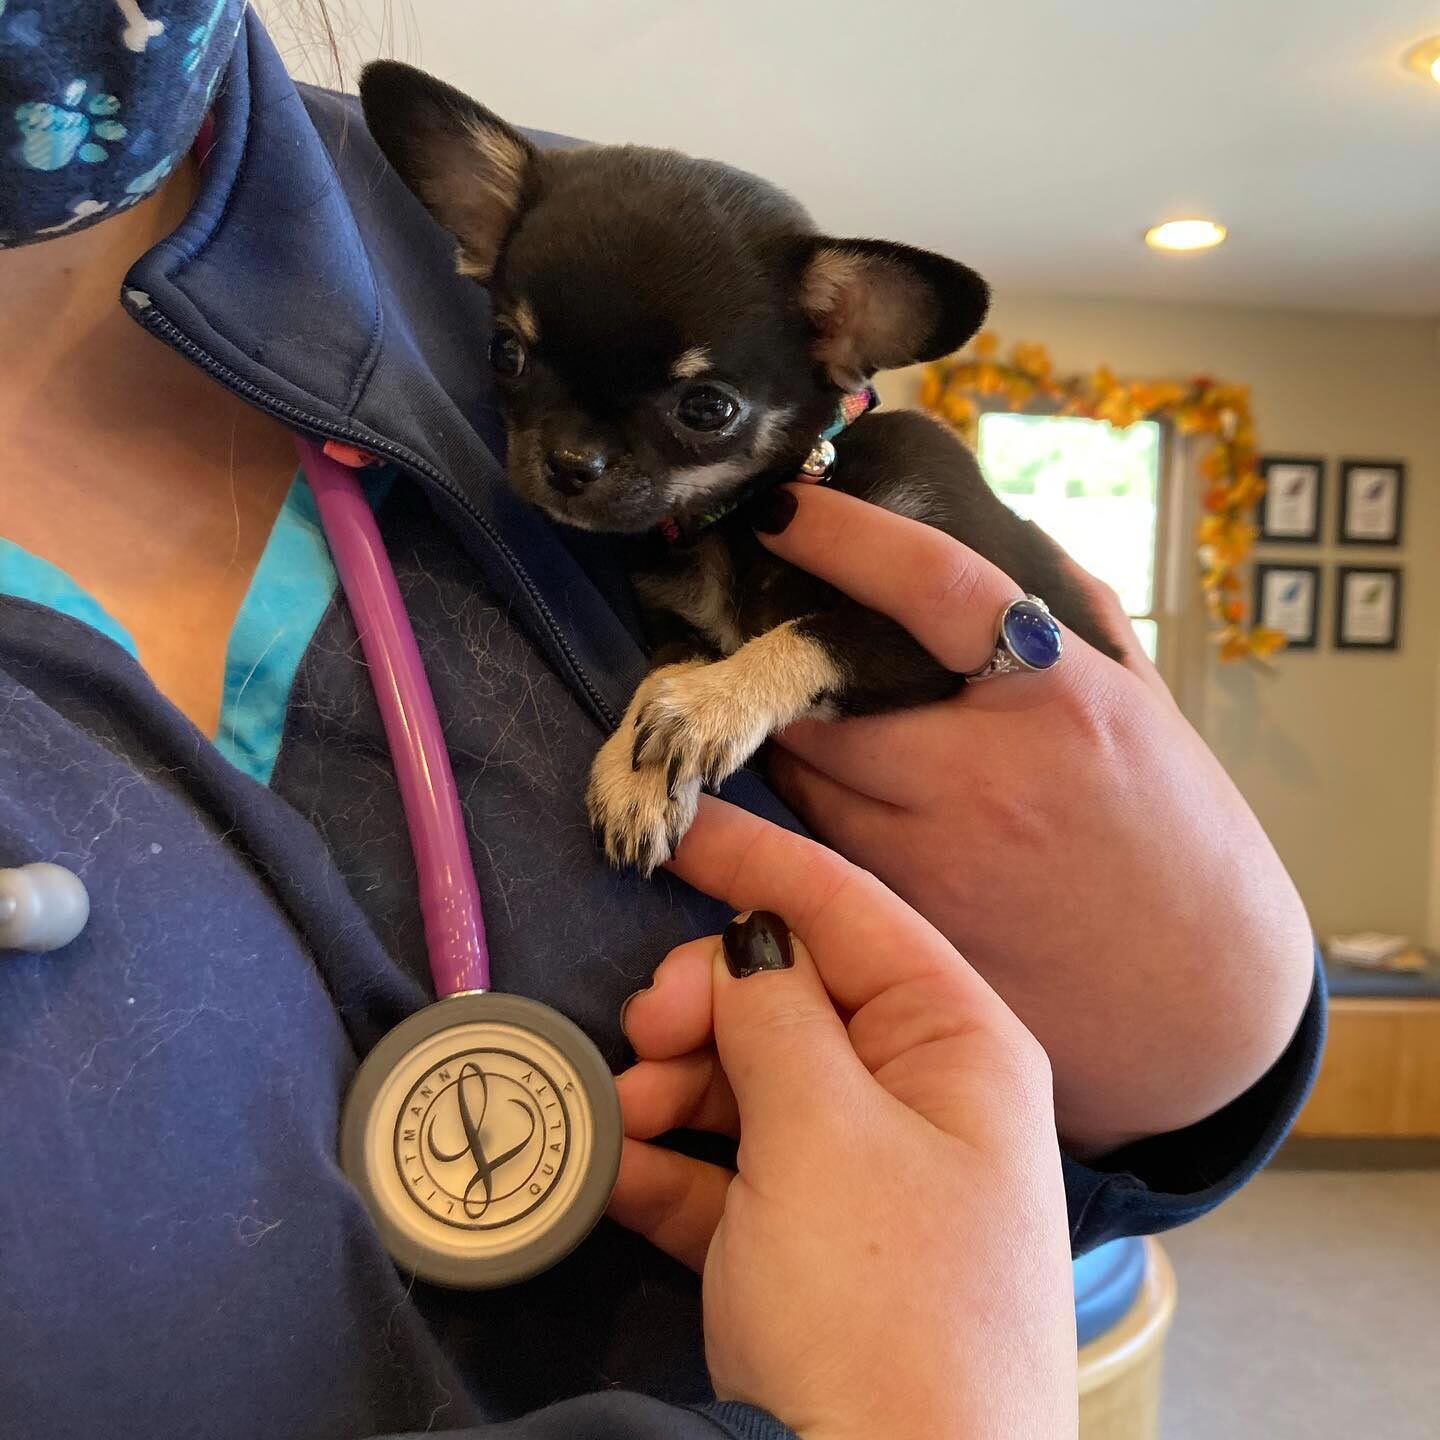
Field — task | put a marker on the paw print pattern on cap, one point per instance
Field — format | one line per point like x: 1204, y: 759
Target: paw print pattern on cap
x: 103, y: 103
x: 52, y: 135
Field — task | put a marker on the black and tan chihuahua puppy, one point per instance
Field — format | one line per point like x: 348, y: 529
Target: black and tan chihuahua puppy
x: 671, y: 338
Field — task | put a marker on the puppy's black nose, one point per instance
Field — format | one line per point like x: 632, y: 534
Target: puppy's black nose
x: 570, y: 471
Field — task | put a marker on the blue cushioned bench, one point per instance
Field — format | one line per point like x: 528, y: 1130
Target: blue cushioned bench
x: 1353, y: 982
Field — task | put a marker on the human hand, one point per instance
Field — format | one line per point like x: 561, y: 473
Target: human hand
x: 1068, y: 832
x: 892, y: 1257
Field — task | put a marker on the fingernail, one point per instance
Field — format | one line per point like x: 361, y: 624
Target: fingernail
x: 755, y: 942
x: 773, y: 511
x: 629, y: 1001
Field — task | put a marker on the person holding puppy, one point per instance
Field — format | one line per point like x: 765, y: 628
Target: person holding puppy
x: 186, y: 724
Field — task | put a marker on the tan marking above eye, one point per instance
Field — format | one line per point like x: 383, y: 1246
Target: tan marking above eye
x: 695, y: 361
x: 525, y: 321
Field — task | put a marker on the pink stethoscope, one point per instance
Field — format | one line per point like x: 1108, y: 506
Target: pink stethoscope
x: 484, y: 1132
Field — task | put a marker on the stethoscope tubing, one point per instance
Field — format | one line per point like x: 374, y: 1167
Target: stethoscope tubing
x: 449, y: 896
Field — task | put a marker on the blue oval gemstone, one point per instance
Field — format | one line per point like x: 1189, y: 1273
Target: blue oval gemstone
x: 1031, y: 635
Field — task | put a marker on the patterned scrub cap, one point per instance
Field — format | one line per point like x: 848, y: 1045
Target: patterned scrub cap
x: 99, y: 101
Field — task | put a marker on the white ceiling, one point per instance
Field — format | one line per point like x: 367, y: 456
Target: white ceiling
x: 1035, y: 139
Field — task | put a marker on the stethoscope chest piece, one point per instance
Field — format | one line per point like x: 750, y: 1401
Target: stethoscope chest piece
x: 484, y: 1134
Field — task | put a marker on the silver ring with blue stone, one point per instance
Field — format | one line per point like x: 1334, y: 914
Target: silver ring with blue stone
x: 1027, y: 638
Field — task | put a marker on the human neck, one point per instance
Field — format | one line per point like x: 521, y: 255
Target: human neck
x: 60, y: 320
x: 125, y: 465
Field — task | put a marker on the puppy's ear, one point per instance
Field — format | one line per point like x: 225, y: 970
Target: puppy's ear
x: 876, y: 305
x: 474, y: 173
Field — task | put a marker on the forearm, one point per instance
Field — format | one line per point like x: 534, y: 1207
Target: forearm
x: 1176, y: 1059
x: 1182, y: 998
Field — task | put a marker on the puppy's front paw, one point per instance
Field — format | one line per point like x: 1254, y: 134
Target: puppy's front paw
x: 638, y: 815
x: 692, y: 725
x: 639, y: 812
x: 695, y: 725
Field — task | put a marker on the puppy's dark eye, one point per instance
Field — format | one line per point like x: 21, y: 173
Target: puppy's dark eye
x: 507, y: 353
x: 707, y: 408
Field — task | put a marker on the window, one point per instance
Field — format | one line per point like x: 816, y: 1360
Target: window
x: 1096, y: 490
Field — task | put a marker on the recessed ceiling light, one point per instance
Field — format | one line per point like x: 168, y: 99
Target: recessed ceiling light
x: 1185, y: 235
x: 1423, y: 58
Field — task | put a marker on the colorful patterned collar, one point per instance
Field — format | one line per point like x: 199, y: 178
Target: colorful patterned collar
x: 815, y: 471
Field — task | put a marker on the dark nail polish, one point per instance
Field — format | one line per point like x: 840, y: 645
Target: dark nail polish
x: 773, y: 511
x: 761, y: 941
x: 629, y: 1001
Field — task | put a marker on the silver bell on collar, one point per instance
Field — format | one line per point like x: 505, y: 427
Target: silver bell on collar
x: 820, y: 461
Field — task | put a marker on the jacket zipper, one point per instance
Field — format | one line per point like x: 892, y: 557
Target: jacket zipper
x: 145, y: 311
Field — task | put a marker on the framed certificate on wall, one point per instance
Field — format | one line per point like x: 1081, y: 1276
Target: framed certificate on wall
x: 1367, y: 607
x: 1287, y: 599
x: 1372, y: 502
x: 1294, y: 492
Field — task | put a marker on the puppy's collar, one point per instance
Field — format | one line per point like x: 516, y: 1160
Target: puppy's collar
x: 815, y: 471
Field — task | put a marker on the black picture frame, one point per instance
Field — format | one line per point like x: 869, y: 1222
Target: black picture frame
x: 1391, y: 641
x: 1309, y: 641
x: 1271, y: 536
x: 1346, y: 535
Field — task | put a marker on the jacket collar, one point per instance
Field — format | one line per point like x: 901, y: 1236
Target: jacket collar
x: 311, y: 282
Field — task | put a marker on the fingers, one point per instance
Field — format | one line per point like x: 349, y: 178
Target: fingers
x: 865, y: 937
x: 852, y: 822
x: 947, y: 596
x: 754, y: 865
x: 689, y: 1093
x: 784, y: 1049
x: 915, y: 1040
x: 1106, y: 607
x: 913, y: 758
x: 672, y: 1016
x: 891, y: 760
x: 673, y: 1201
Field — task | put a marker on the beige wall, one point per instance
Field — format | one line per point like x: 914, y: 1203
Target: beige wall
x: 1337, y: 752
